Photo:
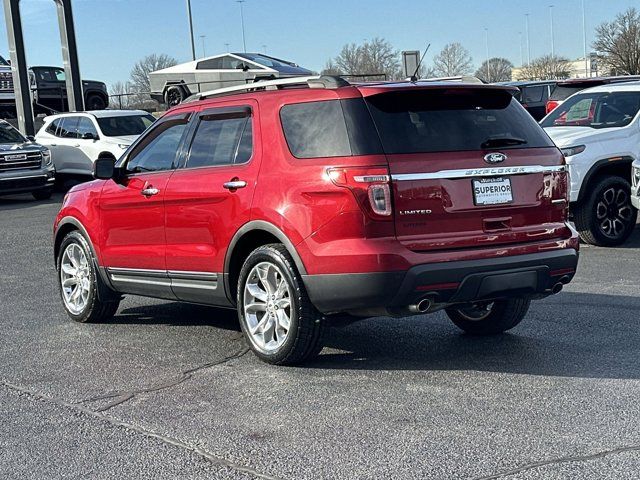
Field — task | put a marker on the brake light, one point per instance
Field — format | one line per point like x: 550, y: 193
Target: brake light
x: 551, y: 106
x: 370, y: 186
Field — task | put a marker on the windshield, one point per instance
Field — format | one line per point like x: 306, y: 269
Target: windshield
x: 448, y: 120
x: 595, y: 110
x: 8, y: 134
x: 124, y: 125
x: 3, y: 61
x: 267, y: 61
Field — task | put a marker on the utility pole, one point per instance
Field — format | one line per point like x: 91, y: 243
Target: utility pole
x: 553, y: 53
x: 526, y: 16
x: 584, y: 41
x: 193, y: 43
x: 204, y: 51
x: 244, y: 42
x: 521, y: 55
x: 486, y: 40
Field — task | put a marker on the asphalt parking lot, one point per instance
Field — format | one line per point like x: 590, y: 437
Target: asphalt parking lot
x: 168, y: 390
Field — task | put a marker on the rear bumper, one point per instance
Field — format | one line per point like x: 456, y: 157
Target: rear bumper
x: 445, y: 283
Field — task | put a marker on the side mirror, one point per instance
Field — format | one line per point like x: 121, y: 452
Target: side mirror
x: 89, y: 136
x: 104, y: 168
x: 31, y: 138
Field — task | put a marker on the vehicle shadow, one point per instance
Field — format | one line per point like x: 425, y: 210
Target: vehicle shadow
x: 569, y: 335
x: 178, y: 314
x: 15, y: 202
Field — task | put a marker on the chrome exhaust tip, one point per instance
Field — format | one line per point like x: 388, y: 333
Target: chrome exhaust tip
x: 422, y: 306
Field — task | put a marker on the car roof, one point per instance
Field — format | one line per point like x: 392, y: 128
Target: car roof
x: 571, y: 82
x: 100, y: 113
x: 614, y: 87
x: 525, y: 83
x: 383, y: 87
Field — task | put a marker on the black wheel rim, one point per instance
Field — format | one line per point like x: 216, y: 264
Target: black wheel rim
x: 614, y: 212
x: 174, y: 98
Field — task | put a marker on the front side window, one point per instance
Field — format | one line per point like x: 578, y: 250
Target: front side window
x: 121, y: 126
x: 221, y: 141
x: 85, y: 126
x: 596, y: 110
x: 59, y: 75
x: 158, y: 150
x: 533, y: 94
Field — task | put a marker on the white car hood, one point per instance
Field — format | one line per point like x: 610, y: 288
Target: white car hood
x: 125, y: 139
x: 573, y: 136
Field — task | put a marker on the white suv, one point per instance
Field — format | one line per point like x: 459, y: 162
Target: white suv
x: 598, y: 131
x: 77, y: 139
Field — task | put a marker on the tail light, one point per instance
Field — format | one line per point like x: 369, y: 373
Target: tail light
x: 551, y: 106
x: 370, y: 186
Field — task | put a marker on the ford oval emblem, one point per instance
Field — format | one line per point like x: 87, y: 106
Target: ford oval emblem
x: 495, y: 157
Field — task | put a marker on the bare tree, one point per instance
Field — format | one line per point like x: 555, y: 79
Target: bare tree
x: 121, y: 94
x: 150, y: 63
x: 495, y: 70
x: 547, y: 67
x: 617, y: 43
x: 454, y: 60
x: 372, y: 57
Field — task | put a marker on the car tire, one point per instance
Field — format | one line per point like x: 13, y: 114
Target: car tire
x: 280, y: 323
x: 490, y: 318
x: 95, y: 102
x: 42, y: 194
x: 173, y: 96
x: 606, y: 216
x: 98, y: 302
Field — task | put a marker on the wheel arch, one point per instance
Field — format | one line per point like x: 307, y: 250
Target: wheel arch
x: 614, y: 166
x: 175, y: 83
x: 249, y: 237
x: 66, y: 225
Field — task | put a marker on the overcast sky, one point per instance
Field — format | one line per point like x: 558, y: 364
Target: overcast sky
x: 113, y: 34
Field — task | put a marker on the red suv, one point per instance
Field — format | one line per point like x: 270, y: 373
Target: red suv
x: 302, y: 200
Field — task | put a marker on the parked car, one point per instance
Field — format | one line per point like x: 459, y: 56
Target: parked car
x: 565, y: 88
x: 598, y: 131
x: 25, y: 166
x: 533, y: 95
x: 294, y: 205
x: 50, y: 91
x: 7, y: 94
x: 635, y: 184
x: 77, y: 139
x: 174, y: 84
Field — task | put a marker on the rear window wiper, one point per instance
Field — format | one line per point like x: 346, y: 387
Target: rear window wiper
x: 502, y: 142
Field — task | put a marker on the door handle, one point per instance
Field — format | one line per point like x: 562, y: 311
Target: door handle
x: 234, y: 184
x: 77, y: 145
x: 150, y: 191
x: 53, y: 144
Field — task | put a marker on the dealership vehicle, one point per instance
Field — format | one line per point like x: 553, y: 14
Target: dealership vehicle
x: 311, y: 198
x: 174, y: 84
x: 50, y: 91
x: 598, y: 131
x: 7, y: 95
x: 635, y: 184
x: 76, y: 140
x: 533, y: 95
x: 25, y: 166
x: 565, y: 88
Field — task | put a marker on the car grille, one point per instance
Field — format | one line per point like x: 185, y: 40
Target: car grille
x: 22, y: 183
x: 6, y: 81
x: 20, y: 161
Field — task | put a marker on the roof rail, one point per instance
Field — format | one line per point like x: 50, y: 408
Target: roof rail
x: 316, y: 81
x: 461, y: 78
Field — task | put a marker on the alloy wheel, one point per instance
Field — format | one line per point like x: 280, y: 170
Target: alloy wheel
x: 267, y: 307
x: 75, y: 278
x: 614, y: 212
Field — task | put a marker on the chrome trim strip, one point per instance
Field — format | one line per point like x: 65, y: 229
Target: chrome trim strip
x: 172, y: 278
x: 137, y: 272
x: 479, y: 172
x: 204, y: 276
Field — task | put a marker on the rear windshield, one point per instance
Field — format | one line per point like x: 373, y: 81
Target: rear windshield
x: 595, y: 110
x: 446, y: 120
x: 562, y: 93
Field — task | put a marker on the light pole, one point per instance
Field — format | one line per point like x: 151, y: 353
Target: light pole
x: 193, y: 43
x: 553, y: 53
x: 204, y: 51
x: 526, y: 16
x: 584, y: 40
x: 486, y: 44
x: 244, y: 43
x: 264, y: 48
x: 227, y: 46
x: 521, y: 56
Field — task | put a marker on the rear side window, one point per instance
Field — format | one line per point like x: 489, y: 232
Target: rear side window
x: 221, y: 141
x: 448, y: 120
x: 69, y: 127
x: 53, y: 126
x: 331, y: 128
x: 562, y: 93
x: 533, y: 94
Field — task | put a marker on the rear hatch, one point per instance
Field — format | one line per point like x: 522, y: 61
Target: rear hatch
x: 469, y: 167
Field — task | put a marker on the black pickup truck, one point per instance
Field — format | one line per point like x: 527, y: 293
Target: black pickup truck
x: 50, y: 93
